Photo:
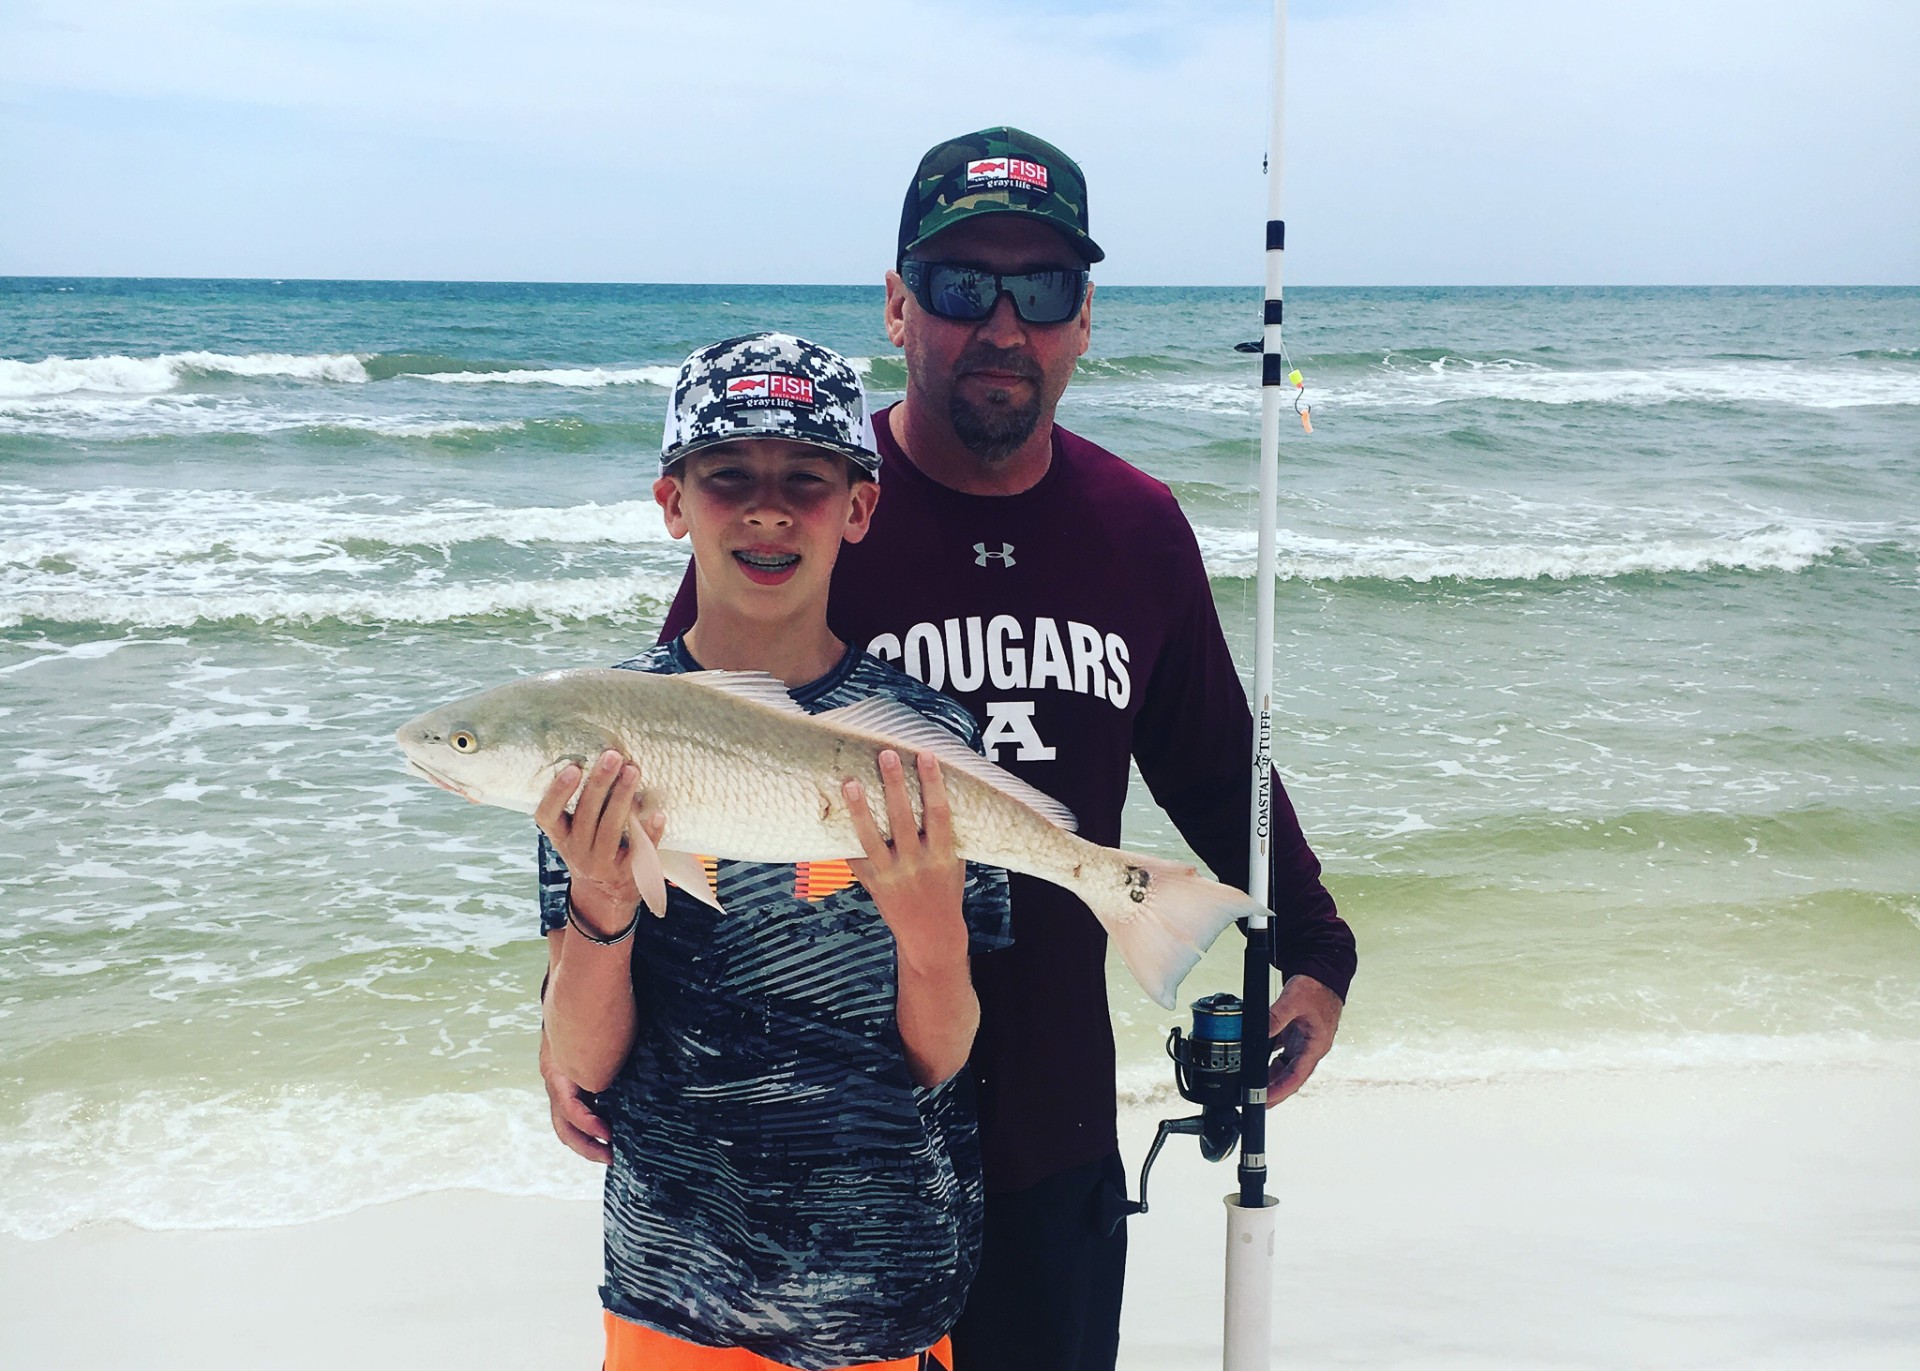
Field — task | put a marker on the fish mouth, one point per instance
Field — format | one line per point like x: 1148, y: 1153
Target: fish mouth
x: 418, y: 768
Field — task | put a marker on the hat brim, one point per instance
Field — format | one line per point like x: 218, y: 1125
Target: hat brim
x: 867, y: 460
x: 1089, y: 250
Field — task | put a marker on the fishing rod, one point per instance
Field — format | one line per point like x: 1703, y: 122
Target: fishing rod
x: 1223, y: 1065
x: 1252, y: 1215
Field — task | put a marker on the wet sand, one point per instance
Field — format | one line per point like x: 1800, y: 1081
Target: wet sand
x: 1751, y: 1218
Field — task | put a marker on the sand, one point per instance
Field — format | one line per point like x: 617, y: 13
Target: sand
x: 1752, y: 1218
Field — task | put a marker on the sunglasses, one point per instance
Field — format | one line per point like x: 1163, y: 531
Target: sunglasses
x: 954, y: 291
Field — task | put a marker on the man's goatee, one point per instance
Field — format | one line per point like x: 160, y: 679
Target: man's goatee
x: 996, y: 433
x: 996, y: 430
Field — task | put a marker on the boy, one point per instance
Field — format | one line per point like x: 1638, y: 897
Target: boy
x: 795, y: 1178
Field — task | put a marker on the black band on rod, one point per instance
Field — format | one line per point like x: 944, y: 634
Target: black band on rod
x: 1270, y: 369
x: 1275, y: 308
x: 1276, y: 234
x: 1253, y: 1062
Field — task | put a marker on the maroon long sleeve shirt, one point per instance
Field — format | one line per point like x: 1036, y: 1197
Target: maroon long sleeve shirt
x: 1076, y: 621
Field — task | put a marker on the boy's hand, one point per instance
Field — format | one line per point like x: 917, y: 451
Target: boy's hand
x: 592, y: 840
x: 573, y: 1122
x: 917, y: 882
x: 915, y: 879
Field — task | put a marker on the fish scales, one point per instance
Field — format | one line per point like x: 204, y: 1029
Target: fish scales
x: 741, y: 772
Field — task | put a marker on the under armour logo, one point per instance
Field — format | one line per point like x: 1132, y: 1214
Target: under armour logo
x: 982, y: 556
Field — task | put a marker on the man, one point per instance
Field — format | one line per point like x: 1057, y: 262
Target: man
x: 1059, y: 594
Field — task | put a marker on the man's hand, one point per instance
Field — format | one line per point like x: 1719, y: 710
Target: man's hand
x: 573, y: 1123
x: 1304, y: 1017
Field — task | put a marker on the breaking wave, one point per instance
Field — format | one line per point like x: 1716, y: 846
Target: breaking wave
x: 1232, y: 554
x: 1451, y: 380
x: 619, y: 598
x: 113, y: 531
x: 117, y: 375
x: 178, y: 558
x: 591, y: 378
x: 1398, y: 382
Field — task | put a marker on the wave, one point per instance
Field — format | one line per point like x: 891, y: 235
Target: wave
x: 1450, y: 380
x: 591, y: 378
x: 118, y: 375
x: 146, y: 376
x: 177, y: 558
x: 1801, y: 385
x: 622, y: 599
x: 183, y: 1160
x: 1887, y: 354
x: 1232, y: 554
x: 121, y: 418
x: 114, y: 530
x: 1204, y: 397
x: 162, y: 1160
x: 131, y: 419
x: 1489, y: 1057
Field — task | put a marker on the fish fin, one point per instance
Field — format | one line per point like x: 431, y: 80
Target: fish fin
x: 759, y: 686
x: 685, y: 871
x: 644, y: 858
x: 881, y: 720
x: 1162, y: 935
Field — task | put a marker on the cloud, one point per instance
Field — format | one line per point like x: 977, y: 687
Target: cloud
x: 1444, y: 141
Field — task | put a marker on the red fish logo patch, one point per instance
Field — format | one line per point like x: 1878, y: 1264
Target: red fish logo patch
x: 771, y: 390
x: 1006, y: 173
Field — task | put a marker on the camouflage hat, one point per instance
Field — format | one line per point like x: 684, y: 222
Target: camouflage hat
x: 996, y: 171
x: 769, y: 385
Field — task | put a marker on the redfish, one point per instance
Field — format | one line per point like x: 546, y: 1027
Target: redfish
x: 742, y: 772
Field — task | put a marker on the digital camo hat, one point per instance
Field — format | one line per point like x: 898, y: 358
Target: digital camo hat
x: 997, y: 171
x: 769, y: 385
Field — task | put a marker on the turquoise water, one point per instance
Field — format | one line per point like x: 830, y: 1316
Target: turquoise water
x: 1596, y: 675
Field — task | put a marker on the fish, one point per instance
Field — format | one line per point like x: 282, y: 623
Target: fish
x: 739, y: 771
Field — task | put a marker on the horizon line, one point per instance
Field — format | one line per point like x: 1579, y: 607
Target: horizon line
x: 871, y: 285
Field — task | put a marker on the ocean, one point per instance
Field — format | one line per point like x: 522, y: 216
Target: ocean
x: 1597, y: 688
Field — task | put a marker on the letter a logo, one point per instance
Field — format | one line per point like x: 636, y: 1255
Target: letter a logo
x: 1011, y: 722
x: 982, y: 556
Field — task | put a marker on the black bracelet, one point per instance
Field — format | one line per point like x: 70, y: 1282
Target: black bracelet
x: 595, y: 938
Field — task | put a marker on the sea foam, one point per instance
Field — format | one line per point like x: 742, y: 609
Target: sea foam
x: 1398, y: 384
x: 172, y: 559
x: 117, y: 529
x: 161, y: 1160
x: 1809, y: 385
x: 117, y: 375
x: 1231, y: 553
x: 619, y: 598
x: 585, y: 377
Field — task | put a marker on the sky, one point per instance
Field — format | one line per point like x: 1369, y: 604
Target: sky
x: 1427, y: 142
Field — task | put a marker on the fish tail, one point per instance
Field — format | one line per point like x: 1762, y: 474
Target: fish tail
x: 1161, y: 916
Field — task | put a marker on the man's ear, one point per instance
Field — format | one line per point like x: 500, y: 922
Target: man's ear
x: 1085, y: 323
x: 667, y: 493
x: 865, y: 495
x: 896, y: 310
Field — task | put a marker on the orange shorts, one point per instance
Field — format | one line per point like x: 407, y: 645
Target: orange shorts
x: 633, y: 1347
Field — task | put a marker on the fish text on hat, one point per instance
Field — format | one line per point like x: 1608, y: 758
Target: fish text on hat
x: 1004, y: 173
x: 770, y: 389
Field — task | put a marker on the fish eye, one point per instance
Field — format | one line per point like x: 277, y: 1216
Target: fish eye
x: 464, y: 741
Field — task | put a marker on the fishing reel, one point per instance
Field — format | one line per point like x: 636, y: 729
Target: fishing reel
x: 1206, y: 1072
